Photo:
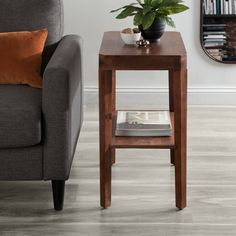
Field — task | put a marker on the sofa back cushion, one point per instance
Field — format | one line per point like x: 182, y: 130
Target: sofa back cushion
x: 29, y: 15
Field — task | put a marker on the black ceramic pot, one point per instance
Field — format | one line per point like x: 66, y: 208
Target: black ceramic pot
x: 154, y: 32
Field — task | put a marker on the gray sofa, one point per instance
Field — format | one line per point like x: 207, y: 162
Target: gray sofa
x: 39, y: 128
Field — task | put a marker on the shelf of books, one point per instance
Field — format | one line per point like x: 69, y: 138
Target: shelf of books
x: 153, y: 130
x: 218, y: 29
x: 214, y: 40
x: 219, y: 7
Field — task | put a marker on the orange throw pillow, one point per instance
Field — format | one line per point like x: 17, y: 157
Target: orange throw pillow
x: 21, y: 57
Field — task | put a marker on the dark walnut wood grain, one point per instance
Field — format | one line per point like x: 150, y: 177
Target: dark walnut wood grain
x: 165, y: 55
x: 169, y: 54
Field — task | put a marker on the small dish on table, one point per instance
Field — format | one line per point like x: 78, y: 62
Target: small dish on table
x: 130, y: 36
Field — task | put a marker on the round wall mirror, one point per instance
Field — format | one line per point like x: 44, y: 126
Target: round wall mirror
x: 218, y: 29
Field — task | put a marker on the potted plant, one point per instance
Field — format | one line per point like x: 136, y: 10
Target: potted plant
x: 151, y: 16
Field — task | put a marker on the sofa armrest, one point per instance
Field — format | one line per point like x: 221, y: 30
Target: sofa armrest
x: 62, y: 101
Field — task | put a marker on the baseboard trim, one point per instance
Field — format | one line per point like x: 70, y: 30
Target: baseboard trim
x: 159, y: 96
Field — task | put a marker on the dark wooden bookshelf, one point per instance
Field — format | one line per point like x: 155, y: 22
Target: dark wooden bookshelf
x: 220, y: 16
x: 218, y: 19
x: 207, y: 28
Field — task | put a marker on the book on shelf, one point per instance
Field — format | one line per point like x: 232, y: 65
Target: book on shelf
x: 219, y: 7
x: 215, y: 7
x: 216, y: 53
x: 234, y: 6
x: 207, y: 33
x: 214, y: 25
x: 214, y: 45
x: 143, y: 123
x: 226, y: 7
x: 213, y: 36
x: 230, y: 7
x: 211, y: 29
x: 215, y: 41
x: 229, y: 58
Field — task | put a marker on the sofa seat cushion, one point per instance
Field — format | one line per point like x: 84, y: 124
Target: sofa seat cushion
x: 20, y: 116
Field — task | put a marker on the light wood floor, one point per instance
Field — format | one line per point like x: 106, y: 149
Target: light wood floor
x: 143, y: 188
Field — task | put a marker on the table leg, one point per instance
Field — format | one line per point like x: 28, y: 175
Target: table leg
x: 171, y: 108
x: 106, y: 106
x: 113, y: 156
x: 113, y: 94
x: 180, y: 151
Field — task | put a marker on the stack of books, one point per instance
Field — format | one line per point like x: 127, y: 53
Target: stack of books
x: 215, y: 53
x: 214, y: 39
x: 143, y: 123
x: 214, y: 35
x: 219, y: 7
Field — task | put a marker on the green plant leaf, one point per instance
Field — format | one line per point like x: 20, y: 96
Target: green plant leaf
x: 140, y: 2
x: 138, y: 18
x: 147, y: 9
x: 170, y: 10
x: 168, y: 20
x: 148, y: 2
x: 156, y: 3
x: 148, y: 19
x: 170, y: 2
x: 132, y: 4
x: 128, y: 11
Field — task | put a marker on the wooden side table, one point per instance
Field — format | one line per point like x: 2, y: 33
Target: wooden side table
x: 169, y: 54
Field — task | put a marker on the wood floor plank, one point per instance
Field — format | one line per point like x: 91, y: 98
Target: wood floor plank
x: 143, y: 188
x: 119, y: 229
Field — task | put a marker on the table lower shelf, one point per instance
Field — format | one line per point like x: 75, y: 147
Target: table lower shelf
x: 145, y: 142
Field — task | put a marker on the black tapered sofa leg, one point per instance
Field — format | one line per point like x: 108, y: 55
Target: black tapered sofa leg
x: 58, y: 188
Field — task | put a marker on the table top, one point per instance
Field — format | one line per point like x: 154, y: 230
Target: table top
x: 171, y: 44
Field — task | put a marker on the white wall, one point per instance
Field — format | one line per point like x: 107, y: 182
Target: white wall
x: 209, y: 82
